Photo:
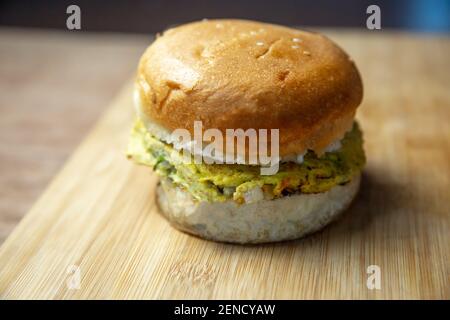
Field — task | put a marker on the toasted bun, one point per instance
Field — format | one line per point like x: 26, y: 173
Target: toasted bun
x: 286, y: 218
x: 243, y: 74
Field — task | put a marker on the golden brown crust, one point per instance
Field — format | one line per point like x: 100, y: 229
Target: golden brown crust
x: 244, y: 74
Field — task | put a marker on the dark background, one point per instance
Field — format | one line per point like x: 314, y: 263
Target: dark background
x: 153, y: 16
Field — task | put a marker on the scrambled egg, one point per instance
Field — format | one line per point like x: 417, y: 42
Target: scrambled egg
x: 220, y: 182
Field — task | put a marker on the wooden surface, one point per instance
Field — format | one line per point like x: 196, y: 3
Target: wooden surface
x: 53, y: 87
x: 99, y: 213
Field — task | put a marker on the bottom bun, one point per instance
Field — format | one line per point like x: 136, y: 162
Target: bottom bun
x: 286, y: 218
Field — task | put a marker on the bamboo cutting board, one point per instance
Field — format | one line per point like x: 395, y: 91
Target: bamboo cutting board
x: 97, y: 221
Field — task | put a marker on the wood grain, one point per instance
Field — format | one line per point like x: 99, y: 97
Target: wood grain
x: 42, y: 74
x: 99, y: 212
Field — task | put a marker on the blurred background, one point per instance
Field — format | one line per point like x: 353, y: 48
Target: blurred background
x: 150, y: 16
x: 55, y: 83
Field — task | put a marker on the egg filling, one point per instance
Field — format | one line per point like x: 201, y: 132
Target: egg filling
x: 221, y: 182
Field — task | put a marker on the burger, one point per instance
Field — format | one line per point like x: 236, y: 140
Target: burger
x: 253, y: 77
